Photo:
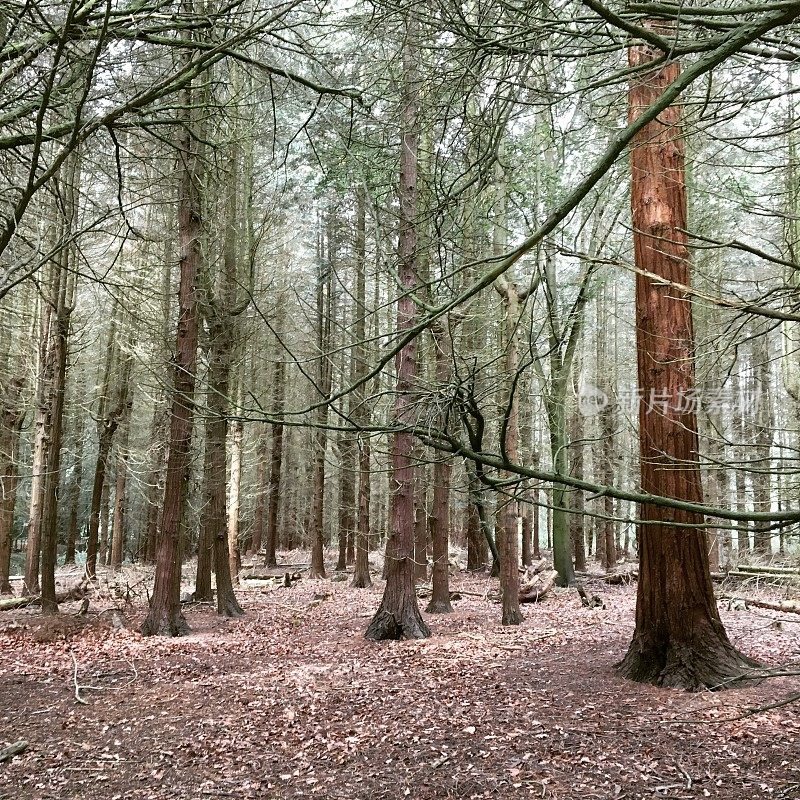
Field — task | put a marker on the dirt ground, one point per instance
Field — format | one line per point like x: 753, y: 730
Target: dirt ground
x: 291, y: 701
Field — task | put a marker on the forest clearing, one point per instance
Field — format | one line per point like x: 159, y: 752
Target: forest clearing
x: 291, y: 701
x: 399, y: 398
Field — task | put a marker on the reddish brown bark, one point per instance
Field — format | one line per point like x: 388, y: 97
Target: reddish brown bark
x: 398, y: 616
x: 165, y: 616
x: 679, y: 639
x: 361, y: 415
x: 420, y: 523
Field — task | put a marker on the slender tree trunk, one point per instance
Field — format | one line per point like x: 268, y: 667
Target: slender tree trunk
x: 234, y: 496
x: 420, y: 519
x: 262, y: 490
x: 58, y: 357
x: 398, y: 616
x: 361, y: 413
x: 324, y: 376
x: 577, y: 505
x: 165, y: 616
x: 507, y: 539
x: 764, y: 432
x: 77, y: 478
x: 40, y: 448
x: 203, y: 591
x: 118, y: 538
x: 347, y: 493
x: 276, y: 459
x: 105, y: 506
x: 679, y: 639
x: 12, y: 414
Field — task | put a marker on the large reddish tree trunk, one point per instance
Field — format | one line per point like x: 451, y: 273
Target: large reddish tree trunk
x: 679, y: 639
x: 398, y: 616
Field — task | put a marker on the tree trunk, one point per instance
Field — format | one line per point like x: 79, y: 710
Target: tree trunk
x: 420, y: 519
x: 276, y: 458
x: 40, y: 449
x: 562, y: 550
x: 12, y: 414
x: 165, y: 616
x: 763, y: 424
x: 123, y: 454
x: 679, y: 639
x: 398, y: 616
x: 56, y: 415
x: 577, y: 504
x: 361, y: 412
x: 203, y: 591
x: 234, y: 497
x: 738, y: 433
x: 262, y: 490
x: 77, y: 477
x: 323, y: 385
x: 507, y: 538
x: 442, y: 469
x: 347, y: 492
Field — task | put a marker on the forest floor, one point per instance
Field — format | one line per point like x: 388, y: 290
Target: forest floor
x: 291, y: 701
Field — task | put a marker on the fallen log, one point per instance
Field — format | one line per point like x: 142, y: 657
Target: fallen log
x: 768, y: 570
x: 784, y: 606
x: 75, y: 593
x: 589, y: 602
x: 537, y: 589
x: 534, y: 569
x: 620, y: 578
x: 13, y: 750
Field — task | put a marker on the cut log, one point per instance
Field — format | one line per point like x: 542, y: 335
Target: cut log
x: 537, y: 589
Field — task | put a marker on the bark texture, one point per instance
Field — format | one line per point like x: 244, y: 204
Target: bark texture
x: 679, y: 639
x: 398, y: 616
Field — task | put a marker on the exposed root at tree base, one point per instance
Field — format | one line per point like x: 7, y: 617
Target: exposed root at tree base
x: 713, y: 667
x: 439, y: 607
x: 511, y: 617
x: 361, y: 582
x: 385, y: 625
x: 165, y: 625
x: 229, y: 607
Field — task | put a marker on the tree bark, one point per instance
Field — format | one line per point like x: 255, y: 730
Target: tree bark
x: 262, y: 490
x: 398, y: 616
x: 361, y: 412
x: 118, y: 538
x: 276, y: 461
x: 165, y: 616
x: 12, y: 414
x: 763, y: 424
x: 323, y: 385
x: 679, y: 639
